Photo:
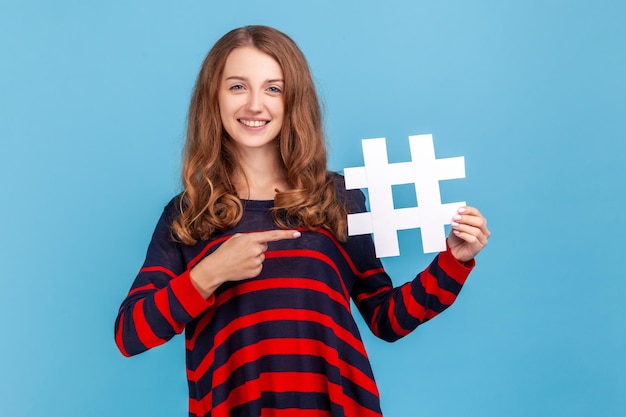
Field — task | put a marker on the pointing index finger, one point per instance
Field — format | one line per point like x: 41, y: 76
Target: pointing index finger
x: 274, y: 235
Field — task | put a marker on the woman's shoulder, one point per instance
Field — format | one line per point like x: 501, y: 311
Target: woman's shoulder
x: 353, y: 199
x: 173, y: 208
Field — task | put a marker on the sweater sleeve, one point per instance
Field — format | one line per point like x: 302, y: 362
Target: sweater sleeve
x: 393, y: 312
x: 162, y: 299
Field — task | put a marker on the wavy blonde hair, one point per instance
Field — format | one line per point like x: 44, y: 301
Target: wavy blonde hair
x: 209, y: 202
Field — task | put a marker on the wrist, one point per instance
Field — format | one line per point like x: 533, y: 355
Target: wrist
x: 206, y: 282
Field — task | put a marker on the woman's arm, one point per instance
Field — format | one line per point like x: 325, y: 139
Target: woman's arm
x: 392, y: 313
x: 167, y: 294
x: 162, y: 299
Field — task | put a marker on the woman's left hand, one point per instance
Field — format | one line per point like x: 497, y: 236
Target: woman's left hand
x: 469, y: 234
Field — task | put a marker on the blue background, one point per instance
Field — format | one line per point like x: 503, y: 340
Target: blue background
x: 93, y: 99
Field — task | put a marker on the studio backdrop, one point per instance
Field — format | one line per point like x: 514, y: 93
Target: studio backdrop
x: 93, y: 101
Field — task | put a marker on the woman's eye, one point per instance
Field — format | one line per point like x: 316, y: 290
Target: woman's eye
x: 274, y: 90
x: 236, y: 87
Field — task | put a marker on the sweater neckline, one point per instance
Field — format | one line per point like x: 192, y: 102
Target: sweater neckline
x: 257, y: 205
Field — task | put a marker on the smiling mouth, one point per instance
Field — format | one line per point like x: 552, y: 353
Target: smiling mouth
x: 253, y: 123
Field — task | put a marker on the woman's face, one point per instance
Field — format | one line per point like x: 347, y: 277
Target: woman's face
x: 251, y: 98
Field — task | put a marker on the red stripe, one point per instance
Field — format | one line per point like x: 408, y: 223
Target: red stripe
x: 119, y: 340
x: 276, y: 382
x: 415, y: 309
x: 305, y: 253
x: 292, y: 346
x: 200, y: 407
x: 393, y: 320
x: 291, y: 412
x: 142, y: 288
x: 158, y: 269
x: 272, y: 316
x: 199, y: 256
x: 431, y: 286
x: 161, y: 299
x: 143, y: 329
x: 456, y: 270
x: 363, y: 296
x: 290, y: 382
x: 259, y: 285
x: 347, y: 258
x: 374, y: 321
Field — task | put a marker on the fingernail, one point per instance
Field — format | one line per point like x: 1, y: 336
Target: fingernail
x: 456, y: 232
x: 297, y: 234
x: 461, y: 210
x: 457, y: 217
x: 454, y: 224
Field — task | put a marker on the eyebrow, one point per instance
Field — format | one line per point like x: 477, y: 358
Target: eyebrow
x: 236, y: 77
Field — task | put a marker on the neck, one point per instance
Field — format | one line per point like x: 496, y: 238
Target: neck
x: 261, y: 174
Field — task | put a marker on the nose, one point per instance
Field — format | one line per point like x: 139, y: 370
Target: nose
x: 255, y: 101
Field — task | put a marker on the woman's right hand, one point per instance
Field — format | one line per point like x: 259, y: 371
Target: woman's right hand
x: 240, y: 257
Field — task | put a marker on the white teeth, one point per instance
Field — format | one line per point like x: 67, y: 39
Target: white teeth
x: 253, y: 123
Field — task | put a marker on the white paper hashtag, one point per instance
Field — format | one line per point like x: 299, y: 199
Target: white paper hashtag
x: 425, y: 172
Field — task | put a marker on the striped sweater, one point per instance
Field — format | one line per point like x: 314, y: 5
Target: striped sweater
x: 284, y: 343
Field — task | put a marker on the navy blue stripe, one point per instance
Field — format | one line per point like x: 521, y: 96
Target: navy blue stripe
x: 264, y: 300
x: 304, y: 330
x: 276, y: 363
x: 445, y: 282
x: 275, y: 400
x: 294, y: 363
x: 157, y: 322
x: 430, y: 302
x: 405, y: 320
x: 131, y: 341
x: 304, y: 267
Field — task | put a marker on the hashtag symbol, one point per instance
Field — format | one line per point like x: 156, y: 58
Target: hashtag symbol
x: 425, y: 172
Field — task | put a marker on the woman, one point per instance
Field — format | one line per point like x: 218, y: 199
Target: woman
x: 253, y: 261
